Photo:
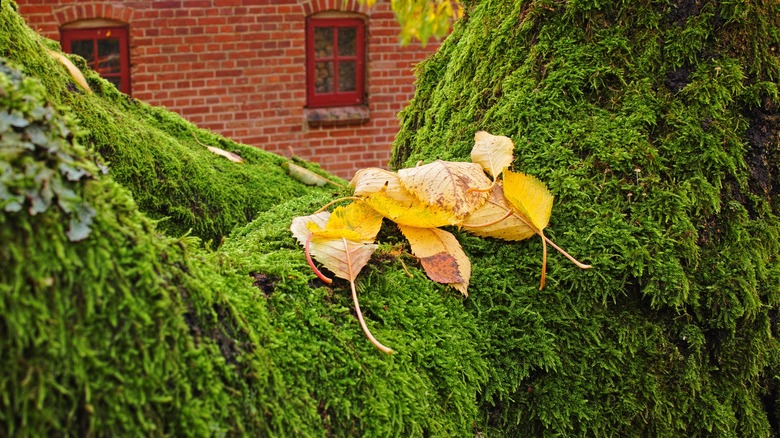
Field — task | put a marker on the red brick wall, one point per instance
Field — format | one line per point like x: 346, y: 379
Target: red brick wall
x: 237, y: 67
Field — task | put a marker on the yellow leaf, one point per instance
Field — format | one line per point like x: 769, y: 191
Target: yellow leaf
x: 492, y: 152
x: 345, y: 258
x: 356, y: 221
x: 440, y: 255
x: 382, y: 190
x: 75, y: 73
x: 530, y: 197
x: 497, y: 219
x: 446, y: 184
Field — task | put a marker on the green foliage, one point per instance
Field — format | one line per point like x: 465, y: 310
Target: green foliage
x: 154, y: 152
x: 422, y: 20
x: 644, y: 120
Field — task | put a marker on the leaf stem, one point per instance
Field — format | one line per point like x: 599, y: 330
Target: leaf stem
x: 487, y: 224
x: 544, y: 261
x: 311, y: 262
x: 480, y: 189
x: 357, y: 305
x: 546, y: 239
x: 566, y: 254
x: 325, y: 207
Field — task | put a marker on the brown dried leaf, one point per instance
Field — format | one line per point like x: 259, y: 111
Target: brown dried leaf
x: 441, y: 256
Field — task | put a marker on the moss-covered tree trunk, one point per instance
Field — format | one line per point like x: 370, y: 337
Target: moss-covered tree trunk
x: 655, y: 124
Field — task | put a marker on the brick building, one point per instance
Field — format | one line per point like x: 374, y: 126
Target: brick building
x: 323, y: 77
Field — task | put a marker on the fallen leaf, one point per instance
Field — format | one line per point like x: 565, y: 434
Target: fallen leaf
x: 229, y: 155
x: 497, y: 219
x: 440, y: 255
x: 356, y: 221
x: 306, y: 176
x: 382, y: 190
x: 344, y: 257
x: 75, y: 73
x: 530, y: 197
x: 446, y: 184
x: 492, y: 152
x: 532, y: 203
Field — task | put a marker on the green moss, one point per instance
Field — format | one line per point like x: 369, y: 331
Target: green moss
x: 154, y: 152
x: 645, y: 121
x: 654, y: 124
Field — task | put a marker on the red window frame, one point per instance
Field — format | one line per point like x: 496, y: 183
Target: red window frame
x: 67, y: 36
x: 336, y: 98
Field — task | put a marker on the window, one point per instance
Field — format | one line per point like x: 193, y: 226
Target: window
x: 106, y: 52
x: 335, y: 61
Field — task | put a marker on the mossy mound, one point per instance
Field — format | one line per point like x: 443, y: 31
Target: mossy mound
x: 109, y: 327
x: 655, y: 124
x: 155, y: 153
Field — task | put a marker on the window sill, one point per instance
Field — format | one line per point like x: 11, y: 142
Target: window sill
x: 337, y: 115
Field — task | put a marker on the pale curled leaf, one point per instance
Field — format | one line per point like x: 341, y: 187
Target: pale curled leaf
x: 345, y: 258
x: 446, y: 184
x: 496, y: 219
x: 332, y: 253
x: 229, y: 155
x: 75, y: 73
x: 492, y: 152
x: 440, y: 255
x: 382, y: 190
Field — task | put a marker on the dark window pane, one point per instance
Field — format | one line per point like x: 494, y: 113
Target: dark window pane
x: 116, y: 80
x: 323, y: 77
x: 347, y: 41
x: 347, y: 75
x: 108, y: 56
x: 85, y: 49
x: 323, y: 42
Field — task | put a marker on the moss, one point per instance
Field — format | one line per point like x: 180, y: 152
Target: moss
x: 154, y: 152
x: 111, y: 327
x: 655, y: 124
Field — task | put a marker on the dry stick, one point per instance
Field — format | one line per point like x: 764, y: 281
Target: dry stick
x: 403, y: 265
x: 357, y: 305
